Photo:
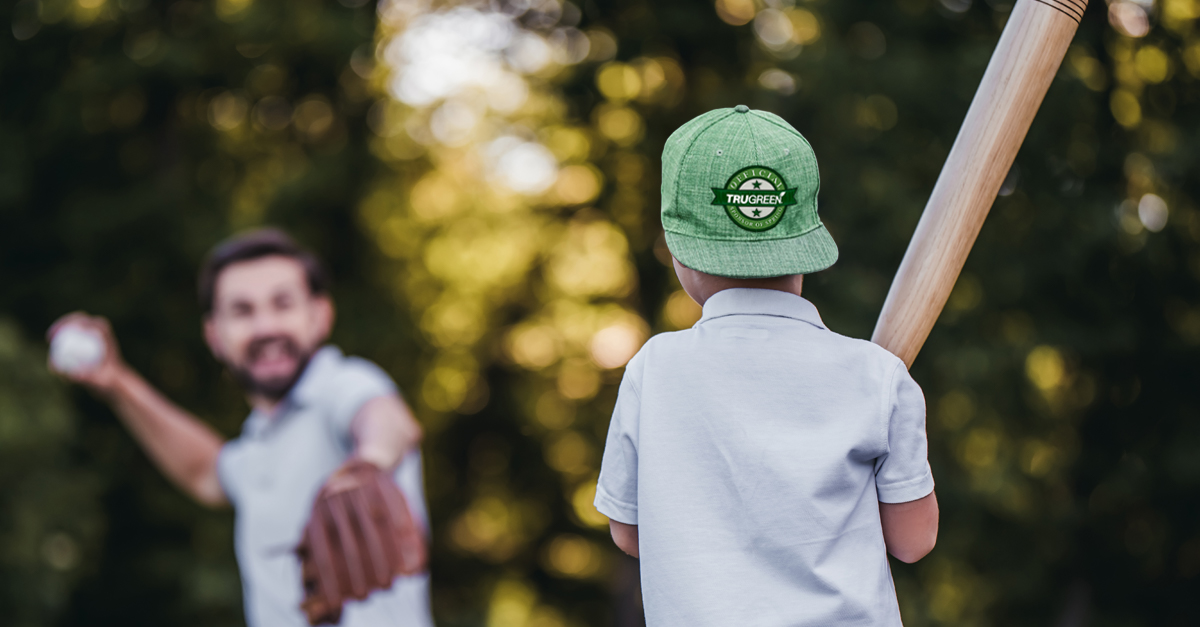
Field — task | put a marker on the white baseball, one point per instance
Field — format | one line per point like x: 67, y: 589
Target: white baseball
x: 75, y: 349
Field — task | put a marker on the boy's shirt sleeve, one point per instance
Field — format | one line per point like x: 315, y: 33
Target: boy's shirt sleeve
x: 616, y: 490
x: 903, y: 474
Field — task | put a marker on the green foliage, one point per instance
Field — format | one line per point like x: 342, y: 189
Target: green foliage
x: 114, y: 184
x: 1060, y: 379
x: 51, y: 518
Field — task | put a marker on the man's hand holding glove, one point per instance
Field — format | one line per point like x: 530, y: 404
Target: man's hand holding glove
x: 359, y: 538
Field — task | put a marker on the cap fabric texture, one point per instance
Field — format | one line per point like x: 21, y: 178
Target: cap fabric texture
x: 739, y: 197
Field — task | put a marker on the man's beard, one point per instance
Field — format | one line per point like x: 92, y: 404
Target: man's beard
x: 275, y: 388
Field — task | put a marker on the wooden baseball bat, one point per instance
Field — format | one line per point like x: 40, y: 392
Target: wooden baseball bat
x: 1031, y: 48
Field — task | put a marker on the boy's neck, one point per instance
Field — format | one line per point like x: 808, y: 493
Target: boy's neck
x: 759, y: 284
x: 701, y: 286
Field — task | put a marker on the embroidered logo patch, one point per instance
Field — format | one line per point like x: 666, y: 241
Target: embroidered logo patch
x: 755, y: 198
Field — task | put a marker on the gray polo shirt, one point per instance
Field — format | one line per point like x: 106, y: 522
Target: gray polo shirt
x: 752, y: 452
x: 272, y: 473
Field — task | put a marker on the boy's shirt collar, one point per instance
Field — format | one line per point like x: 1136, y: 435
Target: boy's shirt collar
x: 760, y: 302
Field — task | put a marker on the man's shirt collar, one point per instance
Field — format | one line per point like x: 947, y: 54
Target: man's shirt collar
x: 303, y: 392
x: 760, y: 302
x: 307, y: 387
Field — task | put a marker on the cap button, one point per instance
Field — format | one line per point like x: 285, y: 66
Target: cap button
x: 741, y: 109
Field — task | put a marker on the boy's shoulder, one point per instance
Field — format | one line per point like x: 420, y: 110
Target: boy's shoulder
x: 658, y: 343
x: 665, y: 341
x: 868, y: 349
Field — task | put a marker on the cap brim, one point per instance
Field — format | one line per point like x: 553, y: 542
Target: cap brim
x: 741, y: 259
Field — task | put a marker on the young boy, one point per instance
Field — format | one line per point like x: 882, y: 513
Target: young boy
x: 758, y: 464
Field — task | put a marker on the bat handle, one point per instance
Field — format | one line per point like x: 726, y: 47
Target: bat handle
x: 1026, y: 59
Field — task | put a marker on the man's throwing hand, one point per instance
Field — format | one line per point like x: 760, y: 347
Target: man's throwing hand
x: 73, y: 355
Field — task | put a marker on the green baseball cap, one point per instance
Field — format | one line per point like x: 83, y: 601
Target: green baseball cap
x: 739, y: 197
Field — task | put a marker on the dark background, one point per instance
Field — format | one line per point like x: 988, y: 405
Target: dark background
x: 1061, y: 379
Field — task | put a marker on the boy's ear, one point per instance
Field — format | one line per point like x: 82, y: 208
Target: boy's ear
x: 693, y: 282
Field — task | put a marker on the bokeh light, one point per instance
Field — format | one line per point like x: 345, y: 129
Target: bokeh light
x: 484, y: 179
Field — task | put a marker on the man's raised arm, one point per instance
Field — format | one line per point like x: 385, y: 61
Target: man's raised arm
x: 180, y: 445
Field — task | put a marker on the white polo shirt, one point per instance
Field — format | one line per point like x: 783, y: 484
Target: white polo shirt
x: 272, y: 473
x: 752, y: 452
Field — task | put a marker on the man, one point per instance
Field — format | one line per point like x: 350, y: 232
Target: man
x: 267, y: 313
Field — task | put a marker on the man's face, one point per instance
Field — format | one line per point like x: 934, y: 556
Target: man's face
x: 265, y: 323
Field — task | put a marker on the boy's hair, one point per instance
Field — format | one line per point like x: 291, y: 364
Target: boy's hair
x: 256, y: 244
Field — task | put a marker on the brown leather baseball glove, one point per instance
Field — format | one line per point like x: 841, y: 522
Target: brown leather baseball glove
x: 359, y: 538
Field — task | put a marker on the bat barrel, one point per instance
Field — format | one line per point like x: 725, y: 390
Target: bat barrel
x: 1026, y: 59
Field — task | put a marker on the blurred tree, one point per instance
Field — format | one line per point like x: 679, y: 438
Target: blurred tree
x: 50, y: 511
x: 483, y: 179
x: 135, y: 135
